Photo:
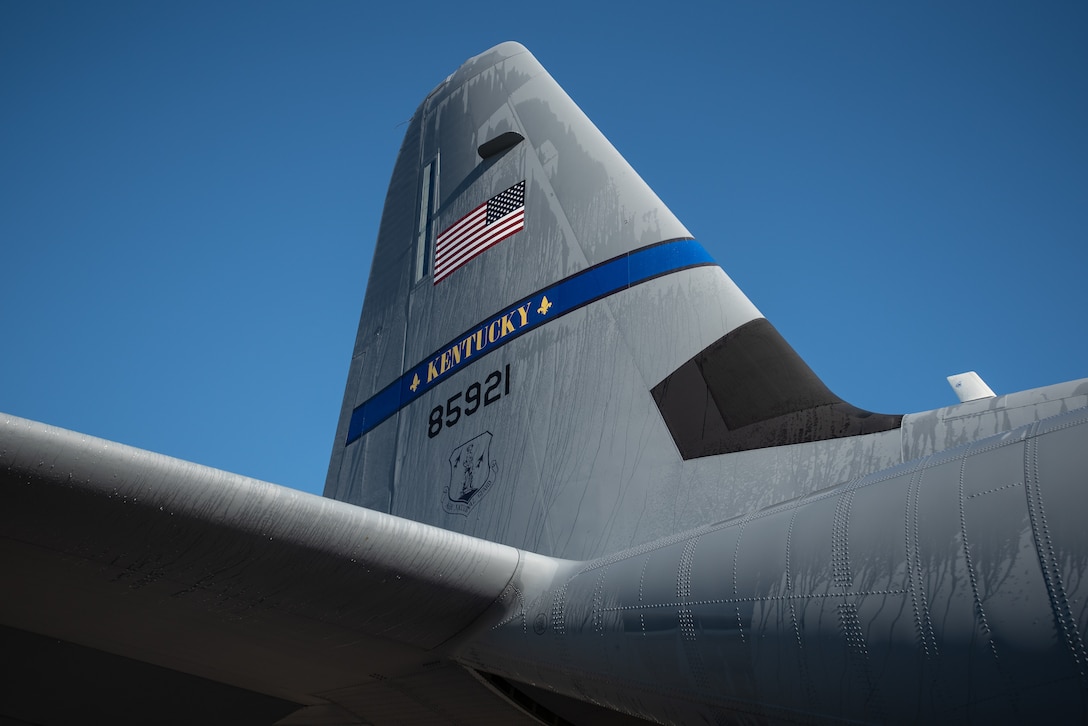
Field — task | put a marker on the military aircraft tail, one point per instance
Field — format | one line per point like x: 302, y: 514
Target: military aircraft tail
x: 543, y: 344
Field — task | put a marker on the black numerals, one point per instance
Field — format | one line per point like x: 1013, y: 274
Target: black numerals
x: 472, y: 398
x: 494, y: 387
x: 453, y: 413
x: 494, y: 378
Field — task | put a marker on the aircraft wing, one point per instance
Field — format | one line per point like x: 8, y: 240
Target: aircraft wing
x: 127, y: 567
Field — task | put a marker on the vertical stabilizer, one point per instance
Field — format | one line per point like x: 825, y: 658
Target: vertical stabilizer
x: 543, y: 345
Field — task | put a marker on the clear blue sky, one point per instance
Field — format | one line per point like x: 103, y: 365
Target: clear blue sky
x: 191, y: 190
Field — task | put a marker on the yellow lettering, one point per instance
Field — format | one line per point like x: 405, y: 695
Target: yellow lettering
x: 432, y: 372
x: 456, y: 352
x: 479, y: 339
x: 444, y: 364
x: 524, y: 312
x: 507, y: 325
x: 493, y: 332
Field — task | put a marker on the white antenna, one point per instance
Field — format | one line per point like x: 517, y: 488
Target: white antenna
x: 969, y: 386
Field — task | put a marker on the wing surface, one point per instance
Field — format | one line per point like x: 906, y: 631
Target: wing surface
x: 158, y: 561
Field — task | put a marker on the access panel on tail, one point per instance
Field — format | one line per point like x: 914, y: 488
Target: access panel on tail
x: 543, y: 344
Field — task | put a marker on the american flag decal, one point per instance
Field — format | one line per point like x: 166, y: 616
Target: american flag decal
x: 483, y: 227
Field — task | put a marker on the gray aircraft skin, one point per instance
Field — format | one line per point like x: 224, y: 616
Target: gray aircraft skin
x: 577, y: 478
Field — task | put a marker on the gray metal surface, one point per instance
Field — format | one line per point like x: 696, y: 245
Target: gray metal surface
x: 932, y: 431
x: 949, y: 589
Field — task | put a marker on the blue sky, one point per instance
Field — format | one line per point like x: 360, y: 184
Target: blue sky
x: 191, y: 191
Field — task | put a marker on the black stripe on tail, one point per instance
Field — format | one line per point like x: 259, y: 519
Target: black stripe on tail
x: 750, y: 390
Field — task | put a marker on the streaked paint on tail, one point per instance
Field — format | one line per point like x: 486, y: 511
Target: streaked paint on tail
x: 546, y: 358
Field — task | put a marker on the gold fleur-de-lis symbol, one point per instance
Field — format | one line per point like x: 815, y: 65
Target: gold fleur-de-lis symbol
x: 415, y: 383
x: 545, y: 306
